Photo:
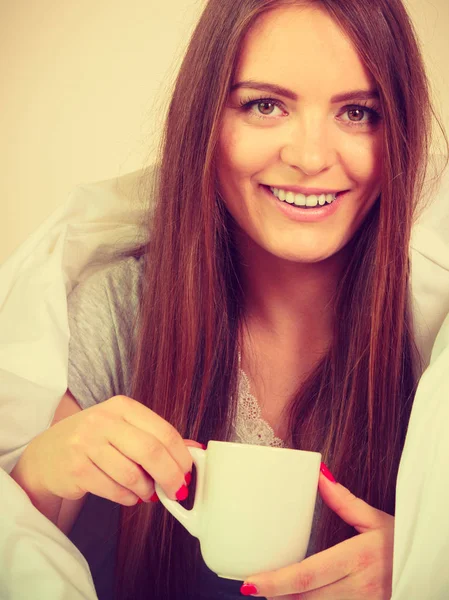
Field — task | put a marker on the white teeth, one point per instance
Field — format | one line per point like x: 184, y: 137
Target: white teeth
x: 301, y: 199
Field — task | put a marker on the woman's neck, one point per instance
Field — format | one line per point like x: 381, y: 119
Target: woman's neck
x: 287, y: 326
x: 292, y: 301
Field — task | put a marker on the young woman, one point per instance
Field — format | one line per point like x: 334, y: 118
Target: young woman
x: 294, y: 155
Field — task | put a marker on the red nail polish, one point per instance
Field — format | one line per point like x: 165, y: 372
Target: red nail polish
x: 325, y: 471
x: 154, y: 498
x: 248, y: 588
x: 139, y: 501
x: 204, y: 447
x: 182, y: 493
x: 188, y: 478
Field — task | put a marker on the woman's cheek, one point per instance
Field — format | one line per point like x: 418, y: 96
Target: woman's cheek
x: 362, y: 159
x: 249, y: 148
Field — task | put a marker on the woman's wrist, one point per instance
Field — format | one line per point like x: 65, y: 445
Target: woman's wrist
x: 23, y: 473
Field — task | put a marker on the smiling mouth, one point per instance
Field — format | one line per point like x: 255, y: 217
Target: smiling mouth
x: 303, y: 201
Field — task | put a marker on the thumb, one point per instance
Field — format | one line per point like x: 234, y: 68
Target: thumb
x: 348, y: 507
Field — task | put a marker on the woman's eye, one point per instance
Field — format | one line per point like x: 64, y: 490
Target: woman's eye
x: 361, y: 116
x: 261, y: 108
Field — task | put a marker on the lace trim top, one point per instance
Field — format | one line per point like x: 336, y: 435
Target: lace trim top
x: 249, y: 426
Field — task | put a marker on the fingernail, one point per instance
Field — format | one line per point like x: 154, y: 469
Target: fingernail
x: 203, y: 446
x: 248, y: 588
x: 154, y: 498
x: 325, y: 471
x: 139, y: 501
x: 188, y: 478
x: 182, y: 493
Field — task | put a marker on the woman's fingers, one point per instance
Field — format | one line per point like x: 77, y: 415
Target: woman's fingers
x: 314, y: 572
x: 357, y: 568
x: 335, y: 591
x: 133, y: 446
x: 351, y: 509
x: 143, y: 418
x: 146, y: 450
x: 97, y: 482
x: 194, y: 444
x: 122, y: 470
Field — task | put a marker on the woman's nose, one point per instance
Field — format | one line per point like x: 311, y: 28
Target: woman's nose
x: 309, y: 147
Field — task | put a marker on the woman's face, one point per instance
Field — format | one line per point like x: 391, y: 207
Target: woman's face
x: 303, y: 136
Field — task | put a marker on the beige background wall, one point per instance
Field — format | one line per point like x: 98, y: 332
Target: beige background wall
x: 84, y: 85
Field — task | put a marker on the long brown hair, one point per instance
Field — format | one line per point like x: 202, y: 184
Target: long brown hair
x: 355, y: 406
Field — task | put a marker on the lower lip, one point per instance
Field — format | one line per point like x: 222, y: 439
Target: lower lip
x: 305, y: 215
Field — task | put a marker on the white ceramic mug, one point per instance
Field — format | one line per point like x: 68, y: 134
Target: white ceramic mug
x: 253, y: 507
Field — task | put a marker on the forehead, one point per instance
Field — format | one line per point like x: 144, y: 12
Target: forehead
x: 303, y: 48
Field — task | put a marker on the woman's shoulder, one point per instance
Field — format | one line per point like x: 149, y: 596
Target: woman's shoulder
x: 114, y: 286
x: 103, y: 314
x: 109, y: 274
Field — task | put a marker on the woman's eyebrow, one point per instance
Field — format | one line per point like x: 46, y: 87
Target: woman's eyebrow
x: 281, y: 91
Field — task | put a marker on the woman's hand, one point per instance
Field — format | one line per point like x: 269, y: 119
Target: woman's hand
x: 115, y: 449
x: 359, y: 568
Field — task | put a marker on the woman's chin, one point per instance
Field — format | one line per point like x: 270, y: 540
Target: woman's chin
x: 309, y: 256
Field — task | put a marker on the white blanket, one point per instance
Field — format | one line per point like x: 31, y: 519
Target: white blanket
x: 38, y: 561
x: 422, y: 525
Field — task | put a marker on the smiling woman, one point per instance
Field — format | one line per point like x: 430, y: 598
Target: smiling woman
x: 277, y: 269
x: 305, y: 140
x: 303, y: 100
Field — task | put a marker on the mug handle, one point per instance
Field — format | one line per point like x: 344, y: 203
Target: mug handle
x: 189, y: 518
